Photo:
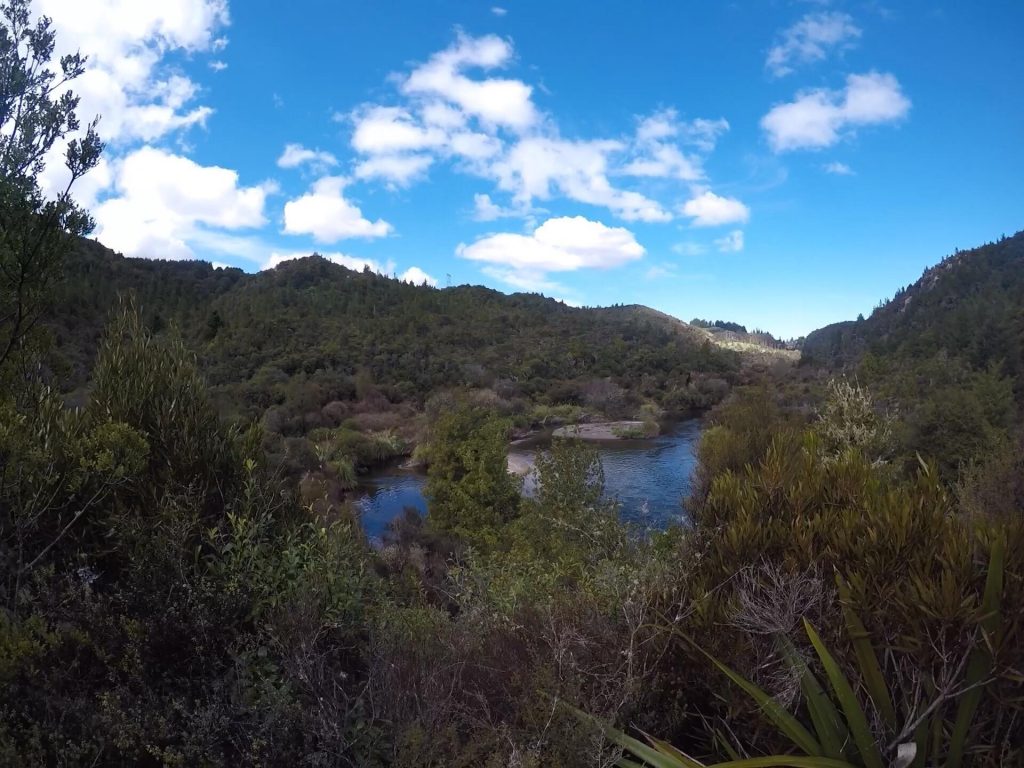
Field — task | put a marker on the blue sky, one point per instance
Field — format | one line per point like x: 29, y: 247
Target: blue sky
x: 780, y: 164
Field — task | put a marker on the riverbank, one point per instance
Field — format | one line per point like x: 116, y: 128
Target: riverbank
x: 609, y: 430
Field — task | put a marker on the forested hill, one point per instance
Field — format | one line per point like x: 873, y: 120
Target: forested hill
x: 947, y: 353
x: 315, y: 320
x: 969, y: 306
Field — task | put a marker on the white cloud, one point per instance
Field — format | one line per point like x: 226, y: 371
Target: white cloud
x: 140, y: 98
x: 537, y: 166
x: 125, y: 42
x: 350, y: 262
x: 490, y: 128
x: 811, y: 39
x: 385, y: 130
x: 474, y: 147
x: 818, y: 118
x: 838, y: 169
x: 731, y: 243
x: 710, y: 210
x: 163, y: 204
x: 665, y: 161
x: 563, y: 244
x: 655, y: 155
x: 295, y: 155
x: 485, y: 209
x: 494, y: 101
x: 497, y: 10
x: 417, y: 276
x: 398, y: 170
x: 396, y: 143
x: 703, y: 133
x: 324, y: 213
x: 218, y: 66
x: 689, y: 249
x: 660, y: 271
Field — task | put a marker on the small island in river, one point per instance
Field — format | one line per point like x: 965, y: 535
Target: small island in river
x: 609, y: 430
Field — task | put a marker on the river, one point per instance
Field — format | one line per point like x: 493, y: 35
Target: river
x: 649, y: 479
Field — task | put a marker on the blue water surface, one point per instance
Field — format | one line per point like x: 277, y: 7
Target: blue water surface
x: 649, y: 479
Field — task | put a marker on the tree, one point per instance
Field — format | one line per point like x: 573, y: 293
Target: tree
x: 36, y: 112
x: 567, y: 524
x: 469, y: 488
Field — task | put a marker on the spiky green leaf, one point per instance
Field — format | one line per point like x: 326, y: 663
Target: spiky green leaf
x: 856, y: 720
x: 980, y: 662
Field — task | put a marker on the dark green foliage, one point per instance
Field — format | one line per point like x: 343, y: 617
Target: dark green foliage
x: 155, y: 386
x: 469, y: 488
x: 354, y: 334
x: 780, y: 520
x: 178, y: 588
x: 35, y: 233
x: 567, y: 525
x: 163, y: 601
x: 947, y: 353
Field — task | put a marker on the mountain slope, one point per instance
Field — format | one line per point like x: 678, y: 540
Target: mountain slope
x: 946, y: 355
x: 315, y: 321
x: 970, y: 306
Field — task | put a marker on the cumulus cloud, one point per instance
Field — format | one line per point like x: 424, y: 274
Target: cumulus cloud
x: 656, y: 153
x: 532, y: 280
x: 417, y: 276
x: 811, y: 39
x: 397, y: 170
x: 164, y: 204
x: 485, y: 209
x: 452, y: 108
x: 125, y: 43
x: 295, y: 155
x: 497, y: 10
x: 324, y: 213
x: 564, y: 244
x: 388, y: 130
x: 149, y: 197
x: 731, y: 243
x: 536, y: 167
x: 710, y: 210
x: 819, y: 118
x: 399, y: 146
x: 838, y: 169
x: 495, y: 101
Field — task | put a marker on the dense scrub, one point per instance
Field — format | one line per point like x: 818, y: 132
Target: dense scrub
x: 169, y: 601
x: 946, y: 354
x: 182, y: 584
x: 344, y: 368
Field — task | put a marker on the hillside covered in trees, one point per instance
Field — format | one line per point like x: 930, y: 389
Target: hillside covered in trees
x: 313, y: 319
x: 181, y: 583
x: 946, y: 353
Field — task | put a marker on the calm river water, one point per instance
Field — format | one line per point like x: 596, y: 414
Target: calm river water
x: 649, y: 478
